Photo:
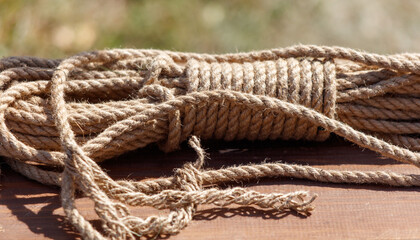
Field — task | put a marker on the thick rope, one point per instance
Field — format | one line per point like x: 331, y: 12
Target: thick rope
x: 58, y: 118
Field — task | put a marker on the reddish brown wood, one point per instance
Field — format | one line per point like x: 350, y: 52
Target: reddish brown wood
x: 29, y: 210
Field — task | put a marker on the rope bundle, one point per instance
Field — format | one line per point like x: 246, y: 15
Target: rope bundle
x: 58, y: 118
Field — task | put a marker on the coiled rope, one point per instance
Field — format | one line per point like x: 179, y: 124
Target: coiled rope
x: 58, y: 118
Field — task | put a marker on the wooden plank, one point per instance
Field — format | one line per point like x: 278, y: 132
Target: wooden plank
x: 29, y: 210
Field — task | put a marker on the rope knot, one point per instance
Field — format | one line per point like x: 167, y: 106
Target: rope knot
x: 156, y: 92
x: 308, y: 81
x: 160, y: 64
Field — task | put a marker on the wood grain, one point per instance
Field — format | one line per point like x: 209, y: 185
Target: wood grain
x: 29, y: 210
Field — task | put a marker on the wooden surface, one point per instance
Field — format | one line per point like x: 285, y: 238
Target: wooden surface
x: 29, y: 210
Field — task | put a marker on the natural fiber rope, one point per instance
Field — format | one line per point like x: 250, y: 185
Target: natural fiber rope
x: 59, y: 117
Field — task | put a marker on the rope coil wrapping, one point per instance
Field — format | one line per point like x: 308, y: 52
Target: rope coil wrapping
x: 66, y: 115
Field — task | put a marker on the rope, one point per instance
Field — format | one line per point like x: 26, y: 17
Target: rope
x: 59, y: 118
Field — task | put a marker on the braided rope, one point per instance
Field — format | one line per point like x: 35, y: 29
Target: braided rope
x: 70, y: 114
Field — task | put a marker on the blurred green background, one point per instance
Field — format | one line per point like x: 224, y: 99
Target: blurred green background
x: 57, y: 28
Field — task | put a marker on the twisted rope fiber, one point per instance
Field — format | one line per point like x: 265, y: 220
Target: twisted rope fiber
x: 58, y: 118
